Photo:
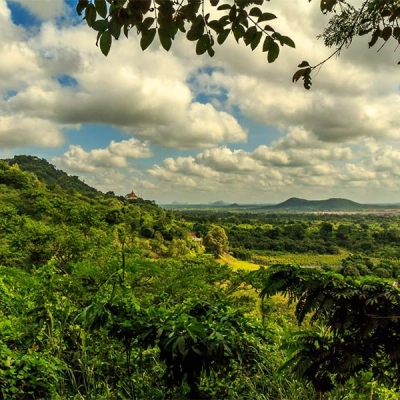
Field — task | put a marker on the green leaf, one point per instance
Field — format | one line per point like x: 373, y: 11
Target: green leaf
x: 98, y: 38
x: 238, y: 32
x: 197, y: 29
x: 249, y: 35
x: 90, y: 14
x: 273, y: 52
x: 165, y: 39
x: 82, y: 4
x: 223, y: 35
x: 180, y: 23
x: 267, y: 43
x: 224, y: 7
x: 126, y: 30
x: 202, y: 44
x: 255, y: 12
x: 256, y: 40
x: 298, y: 74
x: 386, y: 33
x: 216, y: 26
x: 100, y: 25
x: 232, y: 13
x: 288, y: 41
x: 374, y: 37
x: 105, y: 42
x: 327, y: 5
x: 181, y: 344
x: 363, y: 32
x: 266, y: 17
x: 147, y: 23
x: 115, y: 26
x: 147, y: 38
x: 304, y: 64
x: 101, y: 7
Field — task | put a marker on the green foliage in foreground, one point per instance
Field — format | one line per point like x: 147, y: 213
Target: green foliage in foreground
x: 357, y: 325
x: 93, y: 307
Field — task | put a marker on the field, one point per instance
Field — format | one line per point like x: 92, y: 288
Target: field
x: 302, y: 259
x: 236, y: 264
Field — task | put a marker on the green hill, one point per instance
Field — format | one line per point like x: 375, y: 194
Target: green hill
x: 48, y: 174
x: 333, y: 204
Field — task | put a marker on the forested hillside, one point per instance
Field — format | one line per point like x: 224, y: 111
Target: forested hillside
x: 47, y: 173
x: 107, y: 298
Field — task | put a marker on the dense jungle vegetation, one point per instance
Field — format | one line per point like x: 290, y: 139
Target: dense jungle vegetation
x: 107, y: 298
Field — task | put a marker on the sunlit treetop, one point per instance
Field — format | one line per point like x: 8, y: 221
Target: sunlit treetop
x: 246, y: 20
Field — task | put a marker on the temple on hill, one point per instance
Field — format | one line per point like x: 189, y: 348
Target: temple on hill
x: 131, y: 196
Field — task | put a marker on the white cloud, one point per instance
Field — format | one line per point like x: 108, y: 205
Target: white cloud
x: 223, y: 159
x: 114, y: 156
x: 149, y: 99
x: 131, y: 148
x: 43, y: 9
x: 16, y: 131
x: 340, y: 138
x: 119, y: 182
x: 353, y: 97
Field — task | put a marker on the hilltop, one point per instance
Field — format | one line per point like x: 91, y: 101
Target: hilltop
x: 333, y: 204
x: 49, y: 175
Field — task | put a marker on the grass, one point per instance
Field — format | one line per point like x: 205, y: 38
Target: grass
x: 302, y: 259
x: 295, y: 259
x: 237, y: 264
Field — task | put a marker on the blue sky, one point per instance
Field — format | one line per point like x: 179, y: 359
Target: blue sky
x: 178, y: 127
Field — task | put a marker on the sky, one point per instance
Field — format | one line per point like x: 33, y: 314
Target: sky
x: 174, y: 126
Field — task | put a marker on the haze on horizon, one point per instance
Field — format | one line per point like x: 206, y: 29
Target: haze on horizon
x: 179, y: 127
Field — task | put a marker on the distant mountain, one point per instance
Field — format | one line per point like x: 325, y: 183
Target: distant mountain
x: 334, y: 204
x: 219, y: 203
x: 50, y: 175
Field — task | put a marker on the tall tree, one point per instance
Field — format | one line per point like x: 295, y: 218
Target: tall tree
x: 216, y: 241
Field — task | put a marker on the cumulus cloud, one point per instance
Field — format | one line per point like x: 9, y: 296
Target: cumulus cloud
x: 225, y: 160
x: 114, y: 156
x: 120, y: 182
x: 19, y: 132
x: 149, y: 99
x: 350, y: 97
x: 43, y: 9
x: 300, y: 148
x: 340, y: 138
x: 275, y: 171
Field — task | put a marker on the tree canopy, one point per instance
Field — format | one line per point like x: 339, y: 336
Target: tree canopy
x: 210, y: 22
x: 216, y: 240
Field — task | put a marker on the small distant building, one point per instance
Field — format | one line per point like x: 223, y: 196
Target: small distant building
x: 131, y: 196
x: 195, y: 238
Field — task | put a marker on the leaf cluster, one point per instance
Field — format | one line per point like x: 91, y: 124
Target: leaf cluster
x: 244, y: 19
x: 360, y: 321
